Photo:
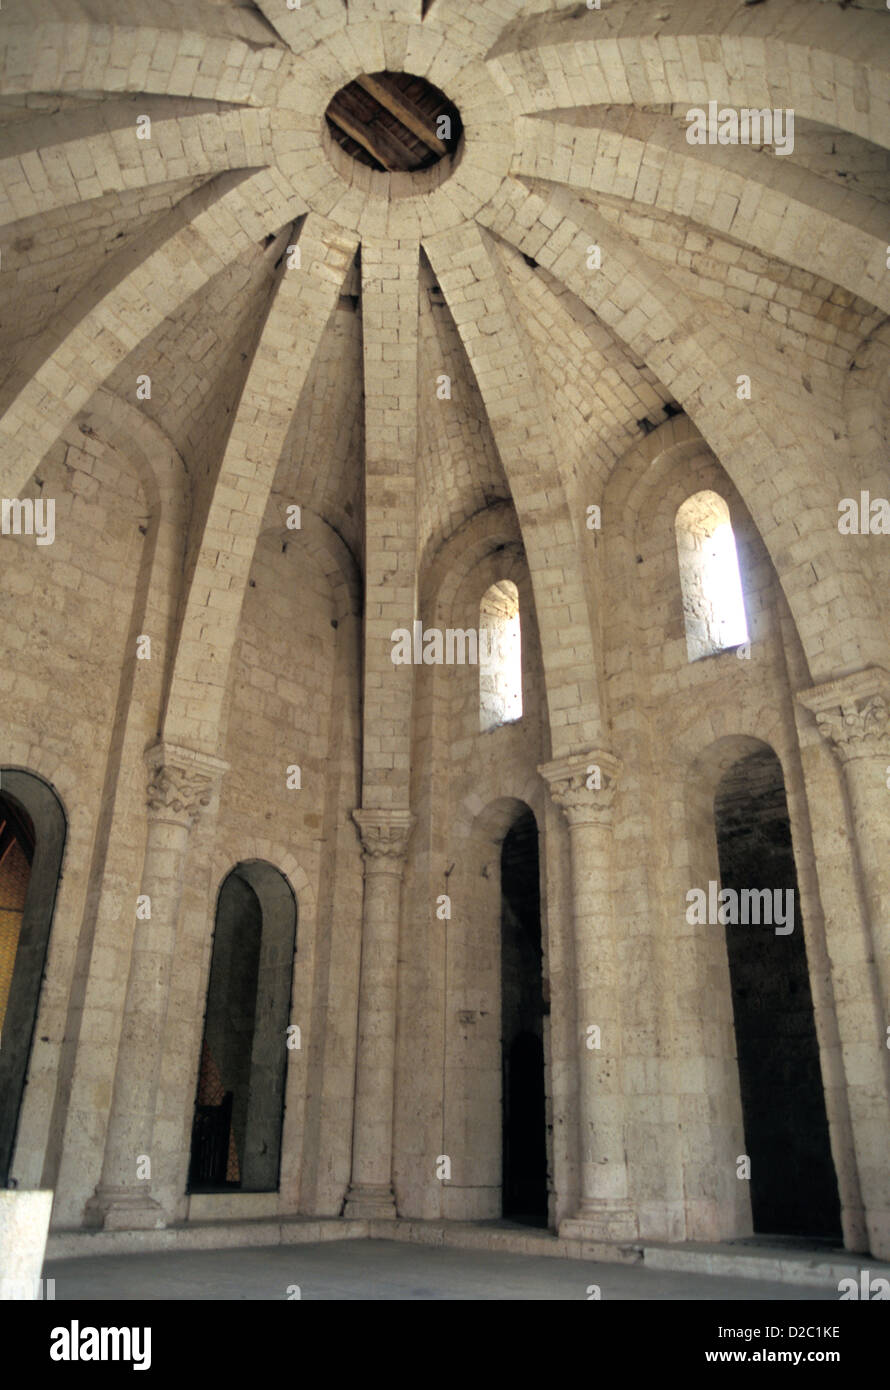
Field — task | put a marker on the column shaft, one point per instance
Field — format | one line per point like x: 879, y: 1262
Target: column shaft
x: 180, y: 784
x: 390, y: 308
x: 584, y: 788
x: 853, y: 715
x: 385, y: 838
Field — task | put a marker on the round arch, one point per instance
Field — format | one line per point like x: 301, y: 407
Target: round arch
x: 237, y: 1133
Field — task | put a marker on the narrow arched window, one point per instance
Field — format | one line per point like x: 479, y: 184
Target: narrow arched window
x: 713, y: 603
x: 500, y: 657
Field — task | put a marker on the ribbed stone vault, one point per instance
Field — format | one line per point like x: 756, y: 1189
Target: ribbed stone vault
x: 168, y: 256
x: 299, y: 368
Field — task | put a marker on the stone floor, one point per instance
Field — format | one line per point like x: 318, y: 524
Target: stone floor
x: 379, y: 1270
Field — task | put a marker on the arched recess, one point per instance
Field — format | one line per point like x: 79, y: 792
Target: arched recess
x: 761, y: 1020
x: 642, y: 502
x: 666, y: 711
x: 239, y: 1107
x: 215, y: 854
x: 78, y: 723
x: 486, y: 550
x: 497, y: 1016
x: 115, y: 432
x: 467, y: 268
x: 332, y: 555
x: 442, y: 572
x: 456, y: 769
x: 208, y: 628
x: 794, y: 1188
x: 696, y: 354
x: 32, y: 843
x: 114, y: 421
x: 304, y: 598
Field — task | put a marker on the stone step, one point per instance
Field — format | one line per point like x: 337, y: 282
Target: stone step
x: 791, y: 1263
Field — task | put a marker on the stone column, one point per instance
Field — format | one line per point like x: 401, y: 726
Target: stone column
x: 180, y: 783
x: 385, y: 837
x: 584, y: 788
x: 853, y: 714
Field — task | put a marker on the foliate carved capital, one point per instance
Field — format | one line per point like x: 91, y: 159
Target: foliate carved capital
x: 181, y: 782
x: 853, y: 714
x: 584, y: 786
x: 384, y: 835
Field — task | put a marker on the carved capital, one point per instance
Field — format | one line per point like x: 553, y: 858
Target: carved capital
x: 853, y: 714
x: 384, y: 835
x: 181, y: 782
x: 584, y: 786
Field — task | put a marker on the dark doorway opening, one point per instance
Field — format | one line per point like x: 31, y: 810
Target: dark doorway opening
x: 239, y: 1108
x: 522, y: 1028
x: 32, y: 841
x: 793, y: 1182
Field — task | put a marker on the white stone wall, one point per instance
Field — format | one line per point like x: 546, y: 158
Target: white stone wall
x: 575, y: 387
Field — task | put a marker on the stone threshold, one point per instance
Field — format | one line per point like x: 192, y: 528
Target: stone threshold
x: 504, y: 1236
x: 204, y: 1235
x: 227, y: 1234
x: 782, y: 1262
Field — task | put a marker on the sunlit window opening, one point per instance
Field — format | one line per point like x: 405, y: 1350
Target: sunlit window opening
x: 500, y: 657
x: 713, y: 602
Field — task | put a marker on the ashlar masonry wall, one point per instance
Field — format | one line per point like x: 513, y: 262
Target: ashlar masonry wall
x: 677, y: 726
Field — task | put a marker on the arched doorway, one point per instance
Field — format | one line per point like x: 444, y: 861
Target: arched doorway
x: 522, y: 1027
x: 239, y: 1108
x: 793, y: 1182
x: 32, y: 841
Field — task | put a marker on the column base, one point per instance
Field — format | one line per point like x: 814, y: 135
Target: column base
x: 601, y: 1221
x: 365, y: 1202
x: 124, y: 1211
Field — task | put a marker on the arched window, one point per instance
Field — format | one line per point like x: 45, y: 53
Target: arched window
x: 500, y: 657
x: 236, y: 1139
x: 713, y: 603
